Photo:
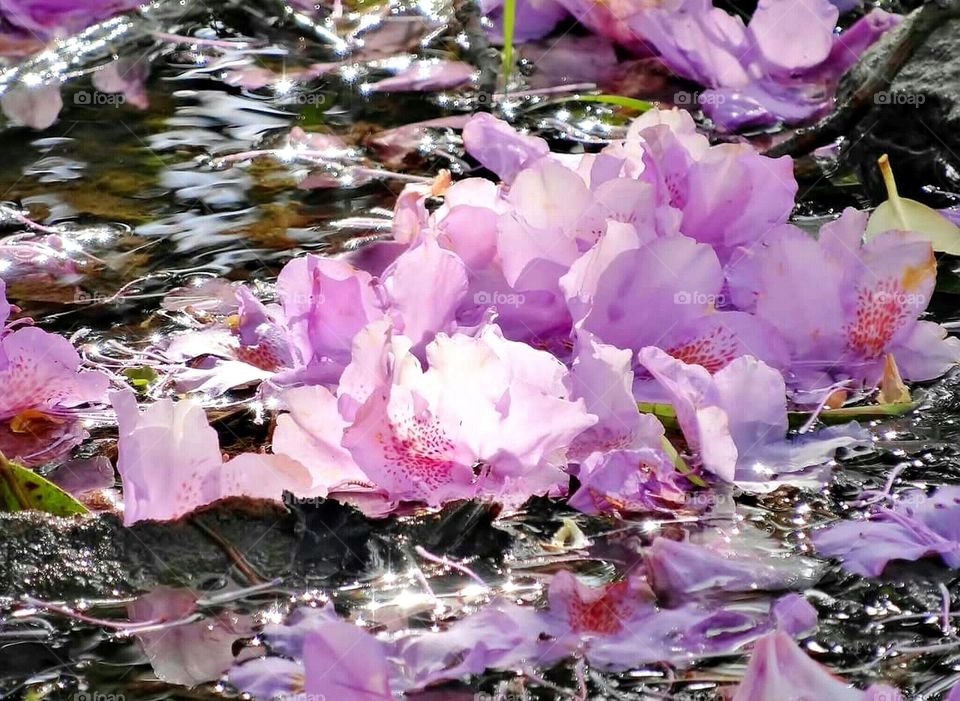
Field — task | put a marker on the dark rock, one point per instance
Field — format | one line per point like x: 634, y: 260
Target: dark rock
x: 320, y: 542
x: 916, y: 120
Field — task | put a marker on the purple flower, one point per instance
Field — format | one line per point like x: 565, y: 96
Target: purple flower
x: 343, y: 661
x: 842, y: 305
x: 628, y: 481
x: 533, y: 18
x: 325, y: 657
x: 783, y: 65
x: 192, y: 653
x: 614, y: 626
x: 45, y: 391
x: 916, y: 526
x: 779, y: 669
x: 601, y: 375
x: 681, y: 570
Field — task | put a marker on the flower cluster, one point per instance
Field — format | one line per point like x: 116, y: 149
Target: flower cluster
x: 781, y: 66
x: 499, y: 342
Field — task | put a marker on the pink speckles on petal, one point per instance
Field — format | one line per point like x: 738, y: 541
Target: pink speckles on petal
x: 881, y: 312
x: 418, y: 449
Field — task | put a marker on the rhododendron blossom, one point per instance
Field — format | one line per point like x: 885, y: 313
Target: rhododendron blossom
x: 45, y: 390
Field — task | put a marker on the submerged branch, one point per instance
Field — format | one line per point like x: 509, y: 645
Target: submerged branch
x: 479, y: 52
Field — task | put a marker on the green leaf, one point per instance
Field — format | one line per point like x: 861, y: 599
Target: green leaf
x: 844, y: 414
x: 141, y: 378
x: 509, y: 21
x: 24, y: 490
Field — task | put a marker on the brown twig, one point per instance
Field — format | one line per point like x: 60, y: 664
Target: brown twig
x: 236, y: 557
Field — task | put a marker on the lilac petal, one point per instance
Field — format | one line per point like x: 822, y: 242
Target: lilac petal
x: 342, y: 660
x: 627, y: 302
x: 736, y: 196
x: 681, y: 569
x: 867, y: 547
x: 793, y: 35
x: 628, y: 481
x: 83, y: 474
x: 779, y: 669
x: 433, y: 74
x: 571, y: 59
x: 268, y: 677
x: 500, y: 636
x: 60, y: 18
x: 499, y: 147
x: 37, y: 108
x: 178, y: 436
x: 794, y: 614
x: 602, y: 376
x: 325, y: 303
x: 311, y: 432
x: 288, y: 638
x: 856, y: 39
x: 188, y: 654
x: 5, y: 306
x: 704, y: 423
x: 533, y: 18
x: 420, y: 311
x: 676, y: 636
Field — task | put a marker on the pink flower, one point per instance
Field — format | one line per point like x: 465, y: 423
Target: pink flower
x: 170, y: 463
x: 474, y: 421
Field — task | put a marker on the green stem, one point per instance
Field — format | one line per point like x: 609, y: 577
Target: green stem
x: 620, y: 100
x: 509, y: 20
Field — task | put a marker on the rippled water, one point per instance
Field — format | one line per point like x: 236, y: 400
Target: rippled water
x: 157, y: 211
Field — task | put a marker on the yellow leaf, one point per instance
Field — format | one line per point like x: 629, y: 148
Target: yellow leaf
x: 904, y: 214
